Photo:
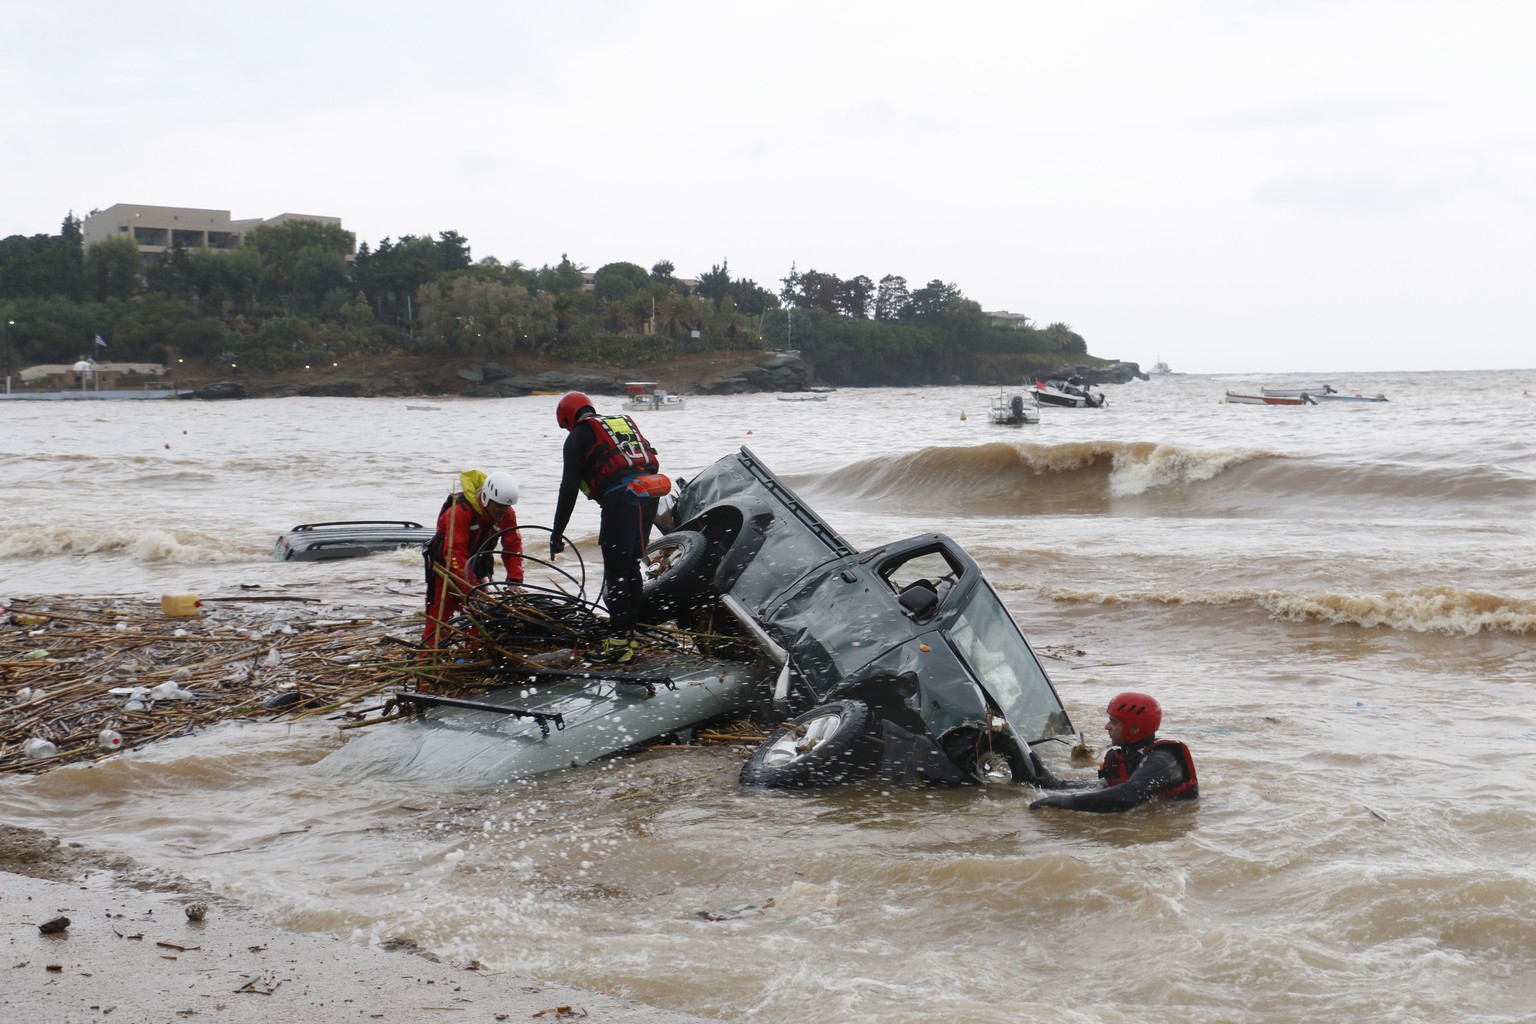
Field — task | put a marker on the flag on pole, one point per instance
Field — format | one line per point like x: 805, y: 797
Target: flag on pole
x: 101, y: 341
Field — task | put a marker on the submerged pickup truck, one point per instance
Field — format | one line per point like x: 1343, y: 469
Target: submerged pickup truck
x: 900, y: 659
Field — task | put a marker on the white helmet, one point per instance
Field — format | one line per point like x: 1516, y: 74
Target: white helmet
x: 500, y: 488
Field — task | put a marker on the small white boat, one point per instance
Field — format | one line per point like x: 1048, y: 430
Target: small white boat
x: 645, y: 396
x: 1160, y: 367
x: 1233, y: 398
x: 1321, y: 393
x: 803, y: 397
x: 1014, y: 408
x: 1337, y: 397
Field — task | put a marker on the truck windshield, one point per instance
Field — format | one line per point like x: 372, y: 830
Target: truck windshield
x: 987, y: 640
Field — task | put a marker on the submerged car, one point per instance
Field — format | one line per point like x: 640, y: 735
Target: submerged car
x: 352, y: 538
x: 901, y: 659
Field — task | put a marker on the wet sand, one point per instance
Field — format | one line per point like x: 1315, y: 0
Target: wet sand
x: 132, y: 950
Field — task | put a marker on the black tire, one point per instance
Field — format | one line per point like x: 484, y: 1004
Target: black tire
x: 823, y: 747
x: 679, y: 566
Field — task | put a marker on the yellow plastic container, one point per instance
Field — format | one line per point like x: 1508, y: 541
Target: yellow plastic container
x: 181, y: 606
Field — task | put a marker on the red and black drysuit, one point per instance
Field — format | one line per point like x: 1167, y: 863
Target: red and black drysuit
x: 603, y: 456
x: 1132, y: 774
x: 458, y: 559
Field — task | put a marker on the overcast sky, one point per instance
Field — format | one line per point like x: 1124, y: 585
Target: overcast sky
x: 1230, y: 186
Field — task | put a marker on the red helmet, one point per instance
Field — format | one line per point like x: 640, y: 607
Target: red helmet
x: 569, y: 409
x: 1138, y: 713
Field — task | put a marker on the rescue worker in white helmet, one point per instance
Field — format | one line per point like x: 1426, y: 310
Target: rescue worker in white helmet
x: 459, y: 556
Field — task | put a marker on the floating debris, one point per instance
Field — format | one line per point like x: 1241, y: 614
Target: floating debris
x: 63, y: 706
x: 252, y: 661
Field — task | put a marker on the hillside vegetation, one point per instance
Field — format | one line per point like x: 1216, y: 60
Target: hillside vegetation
x: 302, y: 294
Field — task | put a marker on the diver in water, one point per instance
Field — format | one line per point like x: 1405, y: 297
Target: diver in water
x: 1138, y: 767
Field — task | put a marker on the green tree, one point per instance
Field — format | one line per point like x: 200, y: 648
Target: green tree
x: 40, y: 266
x: 892, y: 301
x: 566, y: 278
x: 112, y: 268
x: 664, y: 272
x: 618, y: 281
x: 475, y: 315
x: 452, y: 251
x: 1060, y: 337
x: 171, y: 274
x: 856, y: 297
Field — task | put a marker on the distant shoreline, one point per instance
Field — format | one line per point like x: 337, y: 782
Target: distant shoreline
x: 724, y: 372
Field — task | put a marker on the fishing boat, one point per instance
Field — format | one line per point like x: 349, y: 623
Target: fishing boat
x: 646, y: 396
x: 1323, y: 393
x: 1315, y: 390
x: 1014, y: 408
x: 1160, y: 367
x: 1233, y: 398
x: 1337, y: 397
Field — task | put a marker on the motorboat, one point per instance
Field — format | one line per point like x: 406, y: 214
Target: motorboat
x: 1071, y: 393
x: 806, y: 396
x: 646, y: 396
x: 1233, y: 398
x: 1014, y: 408
x: 353, y: 538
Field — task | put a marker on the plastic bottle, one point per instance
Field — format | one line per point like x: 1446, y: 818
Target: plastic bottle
x: 110, y: 739
x: 39, y: 749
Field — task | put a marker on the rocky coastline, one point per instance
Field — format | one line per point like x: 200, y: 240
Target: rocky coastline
x: 720, y: 373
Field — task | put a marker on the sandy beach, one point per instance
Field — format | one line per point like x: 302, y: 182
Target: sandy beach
x: 132, y: 952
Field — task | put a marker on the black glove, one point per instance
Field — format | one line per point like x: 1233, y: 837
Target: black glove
x: 556, y: 545
x: 1043, y: 776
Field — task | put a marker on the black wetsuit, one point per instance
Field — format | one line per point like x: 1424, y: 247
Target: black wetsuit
x: 625, y: 527
x: 1154, y: 772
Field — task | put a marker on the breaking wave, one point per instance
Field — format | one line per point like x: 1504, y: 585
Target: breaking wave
x: 36, y: 540
x: 1450, y: 610
x: 1000, y: 478
x: 995, y: 477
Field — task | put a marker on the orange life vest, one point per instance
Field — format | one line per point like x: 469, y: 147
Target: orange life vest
x: 618, y: 450
x: 1119, y: 763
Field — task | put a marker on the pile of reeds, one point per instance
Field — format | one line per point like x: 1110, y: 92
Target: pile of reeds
x: 93, y: 676
x: 74, y: 671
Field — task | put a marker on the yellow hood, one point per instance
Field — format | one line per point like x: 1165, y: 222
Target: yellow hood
x: 470, y: 481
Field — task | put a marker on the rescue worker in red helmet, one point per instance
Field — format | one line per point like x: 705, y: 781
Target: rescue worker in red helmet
x: 609, y: 460
x: 459, y: 558
x: 1138, y: 766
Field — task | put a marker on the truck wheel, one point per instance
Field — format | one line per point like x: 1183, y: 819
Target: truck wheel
x: 822, y: 747
x: 678, y: 566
